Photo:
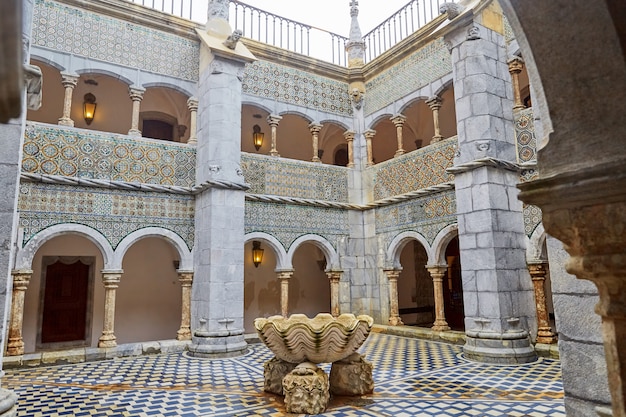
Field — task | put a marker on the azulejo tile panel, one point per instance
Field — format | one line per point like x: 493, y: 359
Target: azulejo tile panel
x: 287, y: 222
x: 290, y: 85
x: 426, y: 215
x: 113, y: 213
x: 416, y: 170
x: 526, y: 141
x: 277, y: 176
x: 71, y: 152
x: 81, y: 32
x: 424, y: 66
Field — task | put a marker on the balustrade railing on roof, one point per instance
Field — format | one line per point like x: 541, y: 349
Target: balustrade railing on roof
x: 266, y: 27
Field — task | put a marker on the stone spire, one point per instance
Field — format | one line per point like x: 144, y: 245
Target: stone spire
x: 355, y: 46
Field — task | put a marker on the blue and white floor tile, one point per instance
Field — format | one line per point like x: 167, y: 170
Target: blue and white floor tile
x: 413, y: 378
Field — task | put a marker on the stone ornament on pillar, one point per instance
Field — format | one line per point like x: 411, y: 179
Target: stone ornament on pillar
x: 273, y: 120
x: 516, y: 65
x: 186, y: 279
x: 192, y: 105
x: 315, y: 128
x: 394, y: 312
x: 435, y: 104
x: 369, y: 135
x: 399, y: 120
x: 538, y: 271
x: 21, y: 279
x: 111, y: 280
x: 69, y: 82
x: 136, y: 95
x: 437, y: 272
x: 349, y: 135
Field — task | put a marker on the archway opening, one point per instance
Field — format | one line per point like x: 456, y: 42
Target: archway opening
x: 453, y: 288
x: 309, y: 288
x: 261, y: 293
x: 416, y: 301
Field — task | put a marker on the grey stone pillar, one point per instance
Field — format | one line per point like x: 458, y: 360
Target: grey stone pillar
x: 217, y: 292
x: 497, y: 290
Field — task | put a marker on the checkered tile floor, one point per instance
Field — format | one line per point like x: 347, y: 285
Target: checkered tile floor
x: 413, y: 378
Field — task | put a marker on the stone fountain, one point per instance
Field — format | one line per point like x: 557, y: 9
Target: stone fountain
x: 300, y: 343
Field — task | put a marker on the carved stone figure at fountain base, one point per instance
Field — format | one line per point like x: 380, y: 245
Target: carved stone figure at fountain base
x: 351, y: 376
x: 306, y: 390
x: 274, y: 371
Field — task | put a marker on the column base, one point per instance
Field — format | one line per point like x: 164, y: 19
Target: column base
x: 226, y: 344
x: 399, y: 152
x: 15, y: 347
x: 440, y: 327
x: 183, y: 334
x: 134, y: 133
x: 351, y: 376
x: 494, y: 347
x: 8, y: 400
x: 546, y: 336
x: 107, y: 341
x: 395, y: 321
x: 66, y: 122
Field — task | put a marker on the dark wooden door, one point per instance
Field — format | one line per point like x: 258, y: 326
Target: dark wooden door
x: 453, y: 288
x: 65, y: 302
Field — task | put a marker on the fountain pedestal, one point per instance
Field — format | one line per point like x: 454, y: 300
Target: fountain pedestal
x: 274, y: 371
x: 351, y: 376
x: 306, y: 390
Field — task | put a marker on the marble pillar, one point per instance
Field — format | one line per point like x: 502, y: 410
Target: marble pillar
x: 334, y: 277
x: 21, y: 279
x: 369, y: 136
x: 437, y: 272
x: 394, y: 311
x: 349, y: 135
x: 284, y: 277
x: 538, y: 271
x: 398, y: 121
x: 69, y: 82
x: 136, y: 95
x: 186, y: 279
x: 111, y: 280
x: 192, y: 105
x: 273, y: 120
x: 435, y: 104
x: 315, y: 128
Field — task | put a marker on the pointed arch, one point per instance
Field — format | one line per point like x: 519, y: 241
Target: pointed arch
x: 322, y: 243
x: 25, y: 255
x: 186, y: 258
x: 283, y: 262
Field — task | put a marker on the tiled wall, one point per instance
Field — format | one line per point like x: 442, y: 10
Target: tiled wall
x: 526, y: 143
x: 422, y: 67
x: 114, y: 213
x: 285, y: 177
x: 289, y: 85
x: 287, y: 222
x: 84, y: 33
x: 71, y: 152
x: 419, y: 169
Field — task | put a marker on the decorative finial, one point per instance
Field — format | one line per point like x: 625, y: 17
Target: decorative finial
x: 354, y: 8
x: 452, y: 9
x: 231, y: 41
x: 355, y: 46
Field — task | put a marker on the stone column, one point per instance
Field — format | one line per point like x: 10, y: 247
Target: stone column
x: 315, y: 131
x: 497, y: 291
x: 394, y: 312
x: 369, y: 135
x: 435, y: 104
x: 516, y: 64
x: 334, y: 277
x: 437, y: 272
x: 538, y: 275
x: 186, y: 279
x: 284, y: 277
x: 398, y: 120
x: 69, y: 81
x: 21, y: 279
x: 192, y: 105
x: 136, y: 95
x: 349, y: 135
x: 273, y: 120
x: 111, y: 280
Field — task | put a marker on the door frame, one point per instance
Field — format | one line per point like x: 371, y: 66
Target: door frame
x: 45, y: 262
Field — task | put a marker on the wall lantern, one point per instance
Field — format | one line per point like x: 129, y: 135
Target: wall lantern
x: 257, y: 136
x: 257, y: 253
x: 89, y: 108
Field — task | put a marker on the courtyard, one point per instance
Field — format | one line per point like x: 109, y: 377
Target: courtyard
x: 413, y: 377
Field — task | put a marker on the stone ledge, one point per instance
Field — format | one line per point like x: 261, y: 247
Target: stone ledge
x: 77, y: 355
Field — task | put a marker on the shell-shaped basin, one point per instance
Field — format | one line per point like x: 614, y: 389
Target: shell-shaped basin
x: 321, y: 339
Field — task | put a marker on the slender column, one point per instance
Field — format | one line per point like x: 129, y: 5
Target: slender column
x: 192, y: 105
x: 315, y: 131
x: 69, y: 82
x: 186, y: 279
x: 334, y: 277
x: 398, y: 121
x: 349, y: 135
x: 136, y: 95
x: 435, y: 104
x: 437, y: 272
x: 394, y: 313
x: 111, y: 280
x: 369, y: 135
x: 516, y: 64
x: 273, y: 120
x: 538, y: 272
x: 21, y: 279
x: 283, y: 277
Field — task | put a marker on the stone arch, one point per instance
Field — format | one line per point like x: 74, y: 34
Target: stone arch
x: 378, y: 119
x: 283, y: 262
x: 447, y: 82
x: 397, y: 244
x: 251, y: 103
x: 411, y: 102
x: 104, y: 71
x: 336, y: 122
x: 25, y: 255
x: 443, y: 238
x: 46, y: 60
x: 322, y: 243
x: 534, y: 244
x: 161, y: 84
x: 186, y: 256
x: 305, y: 116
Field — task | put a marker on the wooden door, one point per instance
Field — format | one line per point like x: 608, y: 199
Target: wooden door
x: 65, y: 302
x: 453, y: 288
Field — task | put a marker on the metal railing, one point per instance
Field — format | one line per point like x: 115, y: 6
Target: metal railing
x: 266, y: 27
x: 410, y: 18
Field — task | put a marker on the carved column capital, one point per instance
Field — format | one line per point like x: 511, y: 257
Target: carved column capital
x: 398, y: 120
x: 315, y: 128
x: 369, y: 134
x: 21, y: 278
x: 284, y: 275
x: 192, y: 104
x: 516, y: 65
x: 69, y: 80
x: 136, y: 93
x: 349, y: 135
x: 111, y: 279
x: 538, y: 270
x: 434, y: 102
x: 185, y: 278
x: 273, y: 120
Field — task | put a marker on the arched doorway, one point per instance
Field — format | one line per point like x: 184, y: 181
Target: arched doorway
x: 309, y: 287
x: 453, y: 287
x: 416, y: 301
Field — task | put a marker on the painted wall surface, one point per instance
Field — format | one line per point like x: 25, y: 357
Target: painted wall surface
x: 261, y: 294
